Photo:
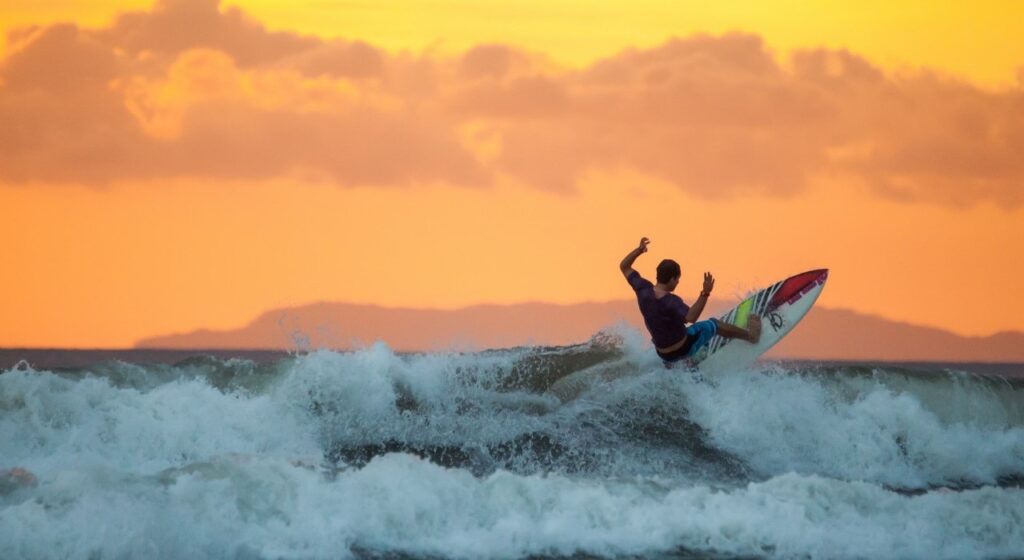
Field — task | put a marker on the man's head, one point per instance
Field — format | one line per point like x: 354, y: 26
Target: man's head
x: 668, y: 273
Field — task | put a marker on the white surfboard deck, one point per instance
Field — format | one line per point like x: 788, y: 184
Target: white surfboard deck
x: 780, y: 306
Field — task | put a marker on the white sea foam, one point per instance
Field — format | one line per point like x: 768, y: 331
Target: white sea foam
x: 269, y: 508
x: 51, y: 423
x: 781, y: 423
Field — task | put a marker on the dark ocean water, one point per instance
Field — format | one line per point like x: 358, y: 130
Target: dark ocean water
x: 175, y: 454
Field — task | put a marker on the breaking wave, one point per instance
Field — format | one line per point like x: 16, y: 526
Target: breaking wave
x: 373, y: 453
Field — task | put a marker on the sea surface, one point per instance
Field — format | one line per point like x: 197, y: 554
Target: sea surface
x: 377, y: 454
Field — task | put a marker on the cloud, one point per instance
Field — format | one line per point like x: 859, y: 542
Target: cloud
x: 138, y: 102
x: 189, y: 89
x: 180, y: 25
x: 59, y: 60
x: 719, y: 116
x: 340, y: 59
x: 713, y: 115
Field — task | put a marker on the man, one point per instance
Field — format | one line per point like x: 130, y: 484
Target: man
x: 666, y: 315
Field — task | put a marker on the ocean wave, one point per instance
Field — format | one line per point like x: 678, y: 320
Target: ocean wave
x: 52, y: 423
x: 332, y: 454
x: 487, y: 411
x: 238, y: 506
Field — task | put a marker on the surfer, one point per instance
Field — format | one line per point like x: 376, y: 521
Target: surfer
x: 666, y: 314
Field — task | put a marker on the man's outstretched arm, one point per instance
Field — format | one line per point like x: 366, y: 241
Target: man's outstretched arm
x: 626, y: 266
x: 698, y: 306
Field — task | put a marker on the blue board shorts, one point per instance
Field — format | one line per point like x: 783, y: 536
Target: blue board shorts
x: 698, y: 335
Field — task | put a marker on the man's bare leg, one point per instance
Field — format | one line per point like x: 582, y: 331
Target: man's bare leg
x: 751, y: 334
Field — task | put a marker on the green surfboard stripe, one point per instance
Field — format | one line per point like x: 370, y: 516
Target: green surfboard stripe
x: 743, y: 311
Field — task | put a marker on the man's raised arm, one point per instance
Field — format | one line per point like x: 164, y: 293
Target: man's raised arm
x: 626, y: 266
x: 698, y: 306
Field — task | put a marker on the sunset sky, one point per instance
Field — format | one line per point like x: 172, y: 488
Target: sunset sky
x: 180, y: 165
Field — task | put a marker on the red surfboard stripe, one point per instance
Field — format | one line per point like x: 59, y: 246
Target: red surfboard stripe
x: 795, y: 286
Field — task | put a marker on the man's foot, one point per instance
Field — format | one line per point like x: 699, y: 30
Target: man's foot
x: 754, y: 328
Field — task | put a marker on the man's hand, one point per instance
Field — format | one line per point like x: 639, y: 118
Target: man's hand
x: 709, y: 283
x: 626, y: 266
x: 698, y: 306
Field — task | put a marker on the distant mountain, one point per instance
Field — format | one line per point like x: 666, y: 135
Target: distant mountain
x: 343, y: 325
x: 831, y: 334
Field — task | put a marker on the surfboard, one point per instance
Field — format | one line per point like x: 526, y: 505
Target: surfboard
x: 780, y: 306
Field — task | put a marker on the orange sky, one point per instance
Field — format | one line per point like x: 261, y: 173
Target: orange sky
x: 184, y: 167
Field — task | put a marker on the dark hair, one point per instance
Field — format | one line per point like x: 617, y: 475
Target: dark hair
x: 667, y: 270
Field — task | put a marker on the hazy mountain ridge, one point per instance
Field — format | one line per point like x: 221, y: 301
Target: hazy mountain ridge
x: 828, y: 334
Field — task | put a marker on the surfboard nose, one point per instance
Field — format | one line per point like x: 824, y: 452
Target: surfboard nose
x: 794, y: 287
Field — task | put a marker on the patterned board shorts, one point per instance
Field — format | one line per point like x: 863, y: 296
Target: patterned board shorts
x: 700, y: 334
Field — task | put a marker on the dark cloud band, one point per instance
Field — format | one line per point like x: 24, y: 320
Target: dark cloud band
x: 714, y: 115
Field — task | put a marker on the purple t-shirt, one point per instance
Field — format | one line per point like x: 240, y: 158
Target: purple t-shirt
x: 665, y: 318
